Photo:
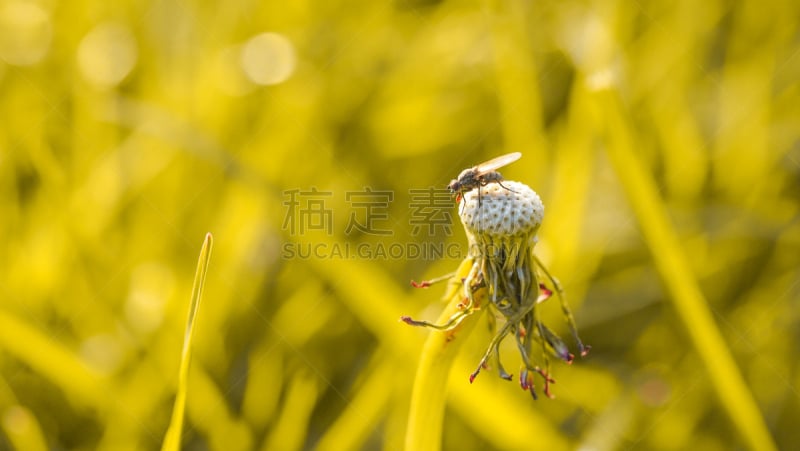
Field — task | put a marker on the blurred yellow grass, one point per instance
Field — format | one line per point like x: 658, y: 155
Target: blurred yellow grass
x: 672, y: 263
x: 85, y: 387
x: 119, y: 121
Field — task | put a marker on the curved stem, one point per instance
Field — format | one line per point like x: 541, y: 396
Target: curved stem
x: 429, y: 395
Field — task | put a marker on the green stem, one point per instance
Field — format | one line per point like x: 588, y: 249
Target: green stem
x: 429, y: 395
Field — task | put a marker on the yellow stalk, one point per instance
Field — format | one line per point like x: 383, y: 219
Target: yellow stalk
x: 429, y: 394
x: 172, y: 441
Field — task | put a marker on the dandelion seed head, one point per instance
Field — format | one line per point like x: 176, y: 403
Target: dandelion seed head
x: 512, y: 209
x: 501, y: 219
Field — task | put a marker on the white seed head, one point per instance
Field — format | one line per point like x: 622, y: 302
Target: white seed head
x: 507, y: 211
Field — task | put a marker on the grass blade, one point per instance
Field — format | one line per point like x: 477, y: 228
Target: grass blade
x: 172, y: 441
x: 683, y: 289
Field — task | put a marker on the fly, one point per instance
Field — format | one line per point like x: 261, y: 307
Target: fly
x: 481, y: 175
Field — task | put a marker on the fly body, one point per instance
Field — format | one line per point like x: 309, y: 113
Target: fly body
x: 481, y: 175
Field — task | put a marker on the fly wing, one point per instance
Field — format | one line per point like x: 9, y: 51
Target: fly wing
x: 498, y: 162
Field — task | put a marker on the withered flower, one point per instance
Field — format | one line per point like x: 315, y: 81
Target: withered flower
x: 501, y: 220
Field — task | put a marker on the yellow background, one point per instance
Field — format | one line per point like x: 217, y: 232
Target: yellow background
x: 662, y: 136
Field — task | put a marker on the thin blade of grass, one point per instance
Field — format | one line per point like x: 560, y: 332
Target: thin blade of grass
x: 172, y: 440
x: 683, y: 289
